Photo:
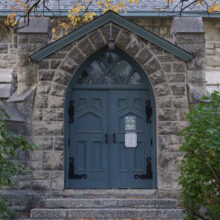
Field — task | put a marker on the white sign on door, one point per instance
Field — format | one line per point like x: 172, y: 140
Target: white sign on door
x: 130, y: 139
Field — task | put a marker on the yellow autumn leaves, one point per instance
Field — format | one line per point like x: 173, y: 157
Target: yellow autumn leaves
x: 80, y: 13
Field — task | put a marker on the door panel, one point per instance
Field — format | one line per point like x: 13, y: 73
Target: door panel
x: 87, y: 139
x: 127, y: 162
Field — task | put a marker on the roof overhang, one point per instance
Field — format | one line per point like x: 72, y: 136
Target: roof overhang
x: 120, y: 21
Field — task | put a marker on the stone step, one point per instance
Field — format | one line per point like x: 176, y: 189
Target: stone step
x: 110, y: 203
x: 111, y: 193
x: 110, y: 213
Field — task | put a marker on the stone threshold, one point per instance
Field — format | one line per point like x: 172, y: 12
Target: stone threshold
x: 111, y: 193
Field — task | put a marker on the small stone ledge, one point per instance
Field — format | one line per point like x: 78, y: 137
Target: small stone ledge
x: 36, y: 25
x: 187, y: 25
x: 20, y: 98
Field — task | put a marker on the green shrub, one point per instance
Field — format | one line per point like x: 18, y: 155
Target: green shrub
x: 200, y: 167
x: 10, y: 166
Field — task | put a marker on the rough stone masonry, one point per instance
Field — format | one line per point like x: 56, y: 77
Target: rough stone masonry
x: 39, y: 94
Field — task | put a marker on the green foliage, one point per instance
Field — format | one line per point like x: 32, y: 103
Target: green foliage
x: 10, y: 166
x: 200, y: 167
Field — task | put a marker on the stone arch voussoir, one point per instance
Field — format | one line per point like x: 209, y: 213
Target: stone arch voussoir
x: 138, y: 48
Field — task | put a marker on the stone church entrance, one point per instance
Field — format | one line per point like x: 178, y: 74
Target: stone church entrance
x: 110, y: 125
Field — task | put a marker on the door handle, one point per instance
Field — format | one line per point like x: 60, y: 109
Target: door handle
x: 106, y: 138
x: 114, y: 138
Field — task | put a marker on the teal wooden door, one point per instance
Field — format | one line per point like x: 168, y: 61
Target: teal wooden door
x: 106, y: 89
x: 130, y: 167
x: 87, y: 147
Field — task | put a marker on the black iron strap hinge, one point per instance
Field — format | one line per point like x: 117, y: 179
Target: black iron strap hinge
x: 149, y: 172
x: 148, y: 111
x: 72, y: 174
x: 71, y: 111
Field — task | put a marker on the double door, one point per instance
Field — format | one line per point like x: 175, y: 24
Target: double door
x: 97, y: 155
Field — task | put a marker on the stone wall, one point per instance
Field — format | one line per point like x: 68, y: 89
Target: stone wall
x: 212, y: 35
x: 168, y: 75
x: 168, y: 78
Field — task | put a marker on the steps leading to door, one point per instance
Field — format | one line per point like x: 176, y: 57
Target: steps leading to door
x: 108, y: 208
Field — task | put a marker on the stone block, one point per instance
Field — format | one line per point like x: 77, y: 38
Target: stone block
x: 213, y: 77
x: 135, y: 45
x: 180, y: 101
x: 97, y: 39
x: 86, y: 47
x: 54, y: 64
x: 6, y: 75
x: 53, y: 114
x: 143, y: 56
x: 47, y: 128
x: 43, y: 64
x: 36, y: 165
x: 58, y: 143
x: 5, y: 90
x: 40, y: 175
x: 182, y: 114
x: 213, y: 60
x: 170, y: 160
x: 123, y: 39
x: 176, y: 77
x: 179, y: 68
x: 57, y: 180
x: 167, y: 128
x: 55, y: 102
x: 178, y: 89
x: 156, y: 50
x: 196, y: 76
x: 53, y: 160
x: 157, y: 78
x: 76, y: 55
x: 43, y: 87
x: 40, y: 184
x: 58, y: 89
x: 169, y: 143
x: 166, y: 58
x: 68, y: 66
x: 37, y: 114
x: 3, y: 48
x: 62, y: 78
x: 169, y: 181
x: 162, y: 89
x: 36, y: 155
x: 41, y: 101
x: 152, y: 66
x: 43, y: 142
x: 45, y: 75
x: 68, y: 47
x: 163, y: 30
x: 166, y: 67
x: 167, y: 114
x: 210, y: 51
x: 165, y: 101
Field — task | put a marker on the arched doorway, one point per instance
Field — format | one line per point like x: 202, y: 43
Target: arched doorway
x: 110, y: 139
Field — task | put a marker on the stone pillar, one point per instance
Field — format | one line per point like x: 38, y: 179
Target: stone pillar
x: 31, y: 37
x: 189, y: 34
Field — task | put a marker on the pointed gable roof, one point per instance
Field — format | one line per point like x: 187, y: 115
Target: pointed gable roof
x: 120, y: 21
